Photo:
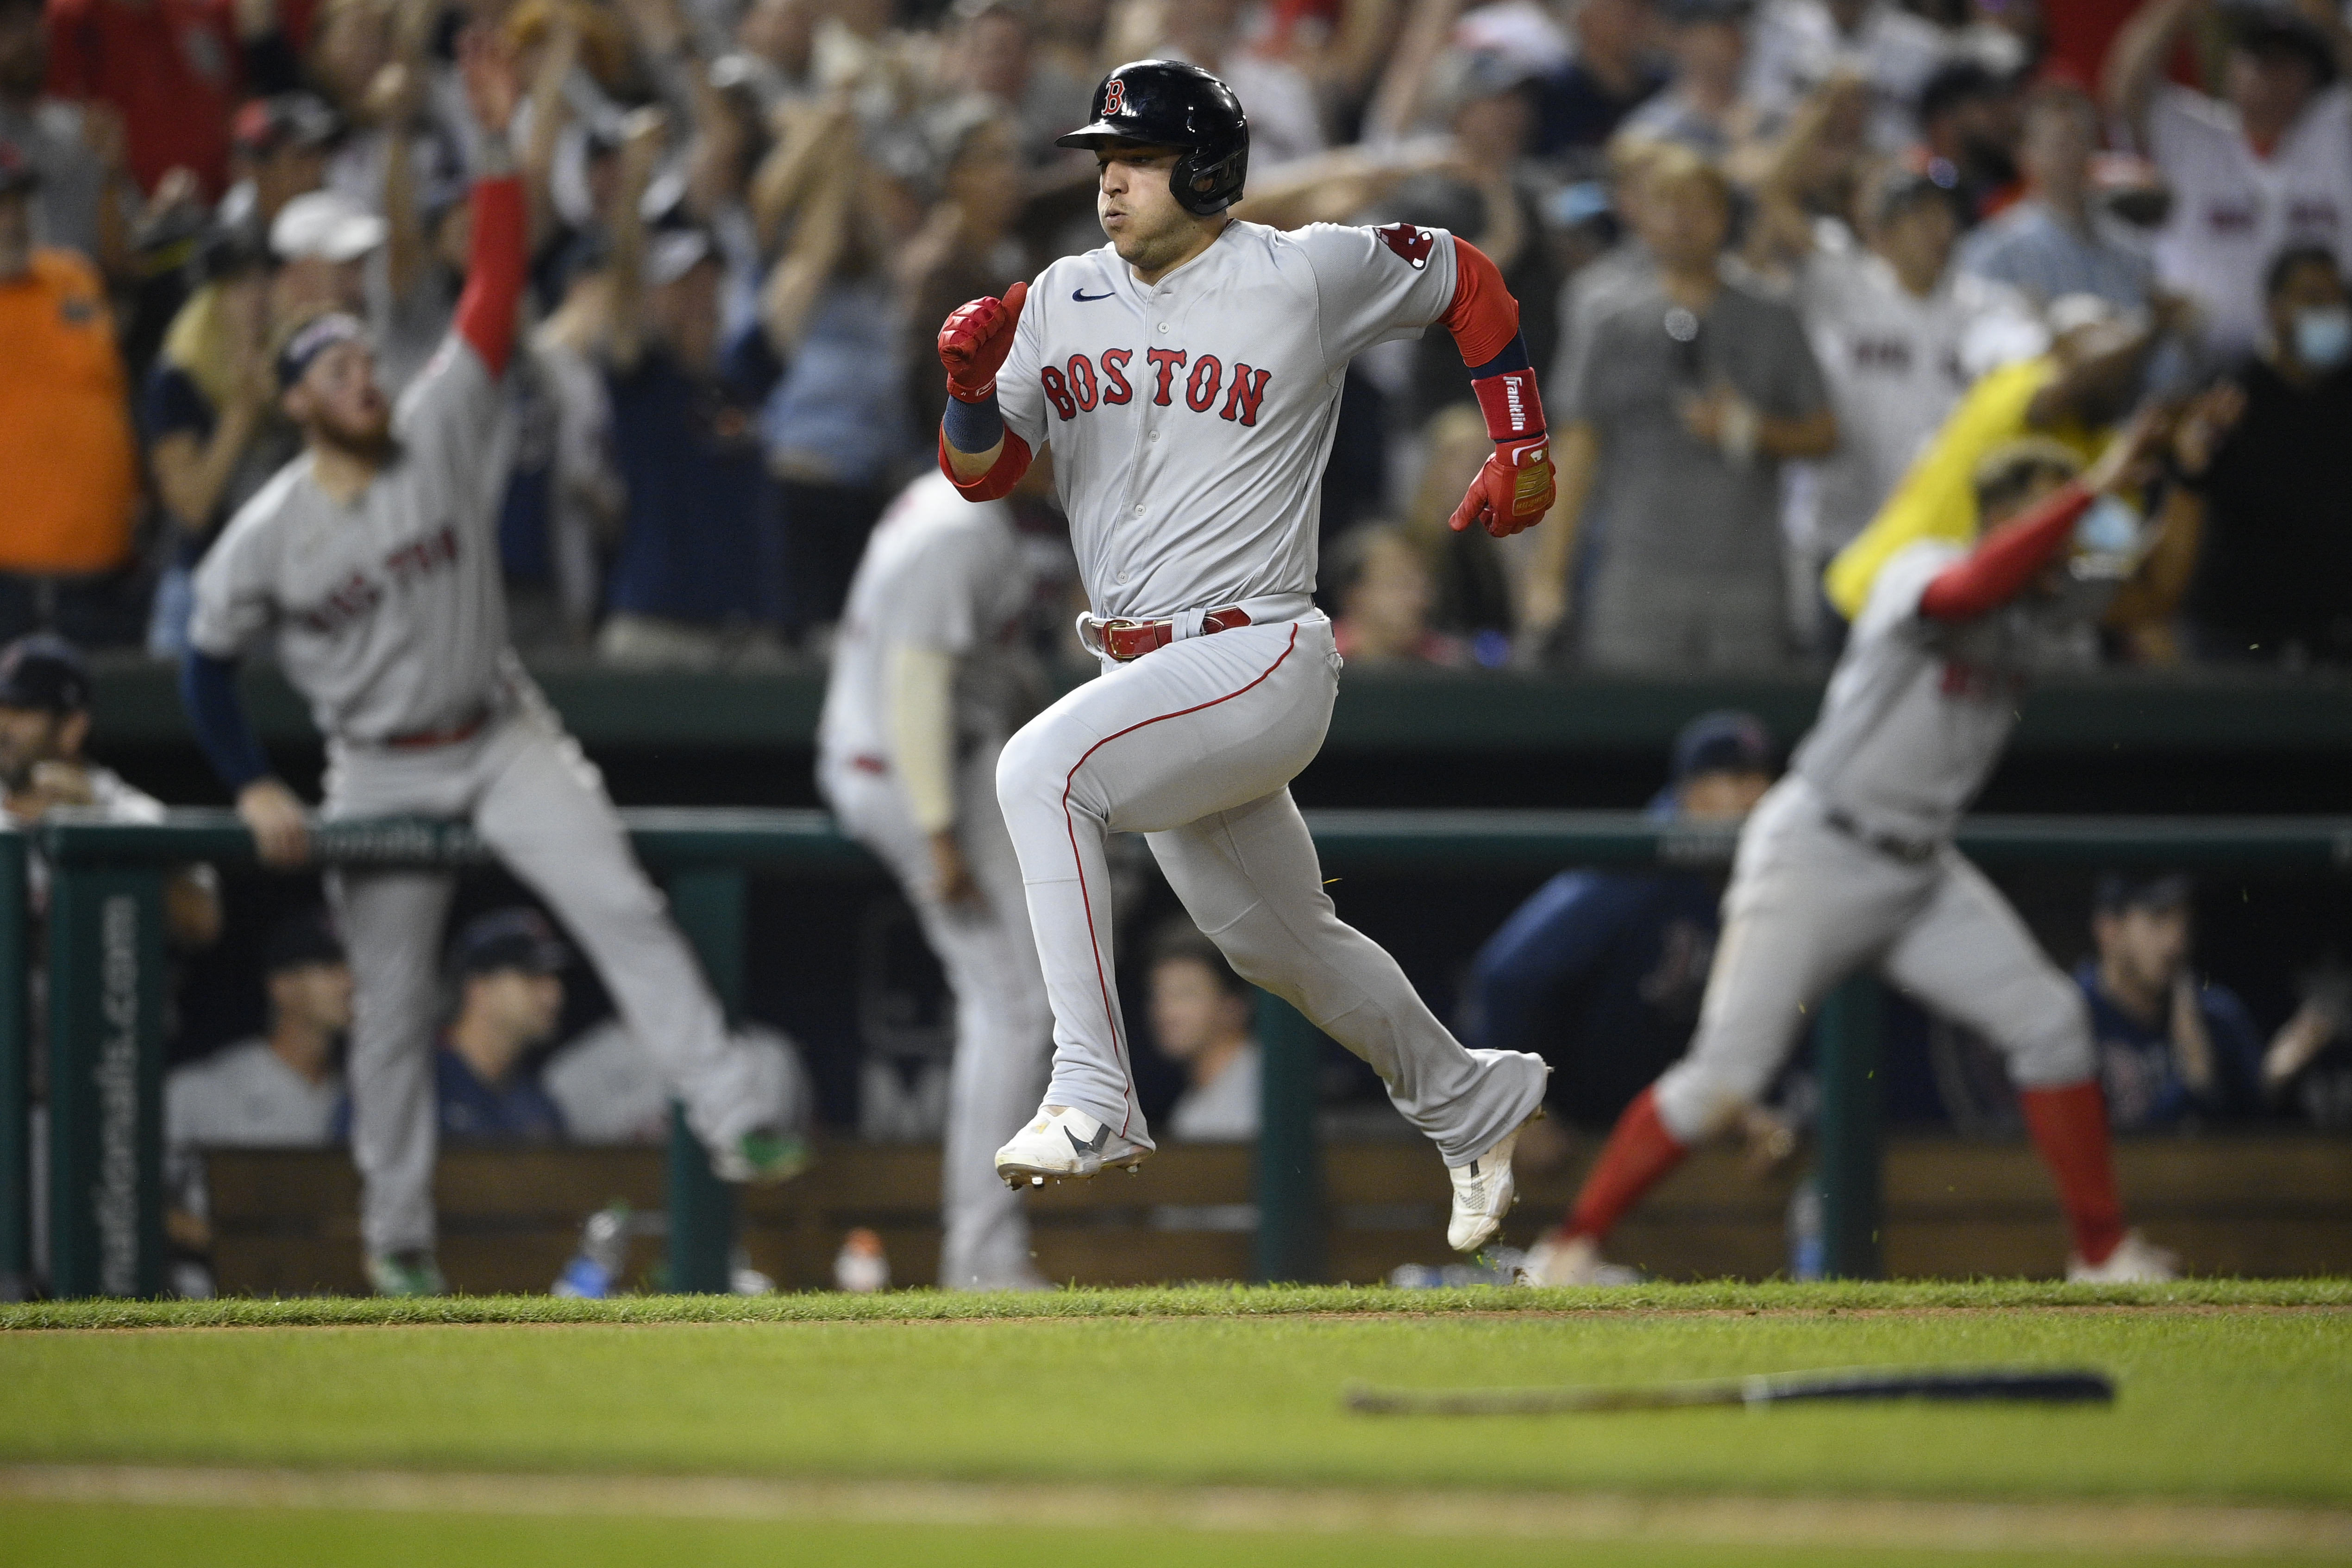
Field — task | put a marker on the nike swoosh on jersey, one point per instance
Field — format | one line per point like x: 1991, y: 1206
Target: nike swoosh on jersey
x: 1081, y: 295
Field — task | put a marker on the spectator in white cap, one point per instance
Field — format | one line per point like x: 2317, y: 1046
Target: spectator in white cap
x: 321, y: 241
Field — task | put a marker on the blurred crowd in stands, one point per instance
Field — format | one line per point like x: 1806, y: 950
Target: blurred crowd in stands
x: 1788, y: 266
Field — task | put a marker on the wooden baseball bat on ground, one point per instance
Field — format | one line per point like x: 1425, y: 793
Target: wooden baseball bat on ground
x: 1951, y: 1384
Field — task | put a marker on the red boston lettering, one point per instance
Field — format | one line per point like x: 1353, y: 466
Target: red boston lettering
x: 1057, y: 392
x: 1169, y: 362
x: 1200, y: 391
x: 1082, y: 380
x: 1114, y: 363
x: 1249, y: 391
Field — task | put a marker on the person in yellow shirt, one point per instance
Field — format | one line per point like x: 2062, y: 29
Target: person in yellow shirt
x: 2074, y: 394
x: 71, y: 467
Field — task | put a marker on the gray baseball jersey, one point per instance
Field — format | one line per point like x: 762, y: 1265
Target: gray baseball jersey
x: 1918, y: 710
x: 390, y: 613
x: 938, y: 573
x: 1189, y: 419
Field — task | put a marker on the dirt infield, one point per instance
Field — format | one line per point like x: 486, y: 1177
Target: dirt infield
x: 2125, y: 1528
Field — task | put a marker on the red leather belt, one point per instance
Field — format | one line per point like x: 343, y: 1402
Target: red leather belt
x: 426, y: 740
x: 1127, y: 640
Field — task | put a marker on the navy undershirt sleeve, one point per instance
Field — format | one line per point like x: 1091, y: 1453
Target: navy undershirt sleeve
x: 1514, y: 357
x: 972, y: 427
x: 208, y: 691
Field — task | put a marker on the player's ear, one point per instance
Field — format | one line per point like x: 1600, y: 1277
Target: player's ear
x: 73, y: 734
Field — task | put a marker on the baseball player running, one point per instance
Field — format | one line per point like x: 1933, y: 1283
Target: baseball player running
x: 374, y: 558
x: 929, y: 678
x: 1187, y: 377
x: 1848, y: 861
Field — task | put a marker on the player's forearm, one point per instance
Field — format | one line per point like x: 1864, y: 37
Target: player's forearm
x: 972, y: 437
x: 1007, y: 461
x: 208, y: 691
x: 2007, y: 559
x: 494, y: 261
x: 918, y: 685
x: 970, y: 465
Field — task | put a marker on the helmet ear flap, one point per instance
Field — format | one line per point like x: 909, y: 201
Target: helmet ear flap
x: 1201, y: 187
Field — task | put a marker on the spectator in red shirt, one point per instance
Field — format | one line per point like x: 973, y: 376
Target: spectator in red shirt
x: 173, y: 70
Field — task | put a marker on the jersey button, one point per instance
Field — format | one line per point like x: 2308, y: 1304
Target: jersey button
x: 1122, y: 576
x: 1139, y: 511
x: 1154, y: 436
x: 1163, y: 326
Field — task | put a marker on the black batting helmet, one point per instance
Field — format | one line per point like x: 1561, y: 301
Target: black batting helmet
x: 1167, y: 103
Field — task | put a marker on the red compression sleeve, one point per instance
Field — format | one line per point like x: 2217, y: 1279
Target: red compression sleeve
x: 1484, y: 317
x: 2005, y: 560
x: 494, y: 271
x: 1001, y: 476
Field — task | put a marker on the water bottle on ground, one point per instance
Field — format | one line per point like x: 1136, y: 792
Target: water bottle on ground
x: 603, y: 1256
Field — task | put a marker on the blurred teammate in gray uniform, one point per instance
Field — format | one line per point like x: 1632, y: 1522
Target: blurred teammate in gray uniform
x: 1848, y: 862
x: 374, y: 559
x: 928, y: 680
x: 1187, y: 377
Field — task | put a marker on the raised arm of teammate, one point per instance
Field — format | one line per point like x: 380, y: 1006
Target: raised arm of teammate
x: 2008, y: 558
x: 1515, y: 488
x: 496, y: 255
x: 979, y: 457
x: 2013, y: 554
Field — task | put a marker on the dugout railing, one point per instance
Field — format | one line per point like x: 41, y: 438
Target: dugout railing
x: 105, y: 976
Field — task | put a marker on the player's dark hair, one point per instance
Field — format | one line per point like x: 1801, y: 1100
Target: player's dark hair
x: 2292, y: 260
x: 1180, y: 941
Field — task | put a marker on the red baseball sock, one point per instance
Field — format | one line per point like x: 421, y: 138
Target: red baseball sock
x: 1639, y: 1152
x: 2070, y: 1128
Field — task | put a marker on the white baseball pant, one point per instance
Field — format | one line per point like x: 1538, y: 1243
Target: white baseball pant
x: 1003, y: 1024
x: 541, y: 807
x: 1193, y: 746
x: 1808, y: 905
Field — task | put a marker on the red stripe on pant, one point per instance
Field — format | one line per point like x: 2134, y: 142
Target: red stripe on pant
x: 1640, y: 1150
x: 1110, y: 1013
x: 2070, y: 1131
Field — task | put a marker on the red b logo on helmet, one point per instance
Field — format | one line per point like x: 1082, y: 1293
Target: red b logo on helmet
x: 1114, y: 98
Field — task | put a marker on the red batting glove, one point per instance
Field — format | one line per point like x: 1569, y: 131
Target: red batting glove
x: 975, y: 340
x: 1513, y: 490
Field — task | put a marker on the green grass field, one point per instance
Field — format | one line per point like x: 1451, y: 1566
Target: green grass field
x: 1167, y: 1427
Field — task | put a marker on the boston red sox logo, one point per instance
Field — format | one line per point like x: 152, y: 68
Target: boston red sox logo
x: 1413, y: 243
x: 1114, y: 98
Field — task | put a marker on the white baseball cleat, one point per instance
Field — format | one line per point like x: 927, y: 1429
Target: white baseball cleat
x: 2135, y: 1261
x: 1572, y: 1260
x: 1484, y: 1192
x: 1067, y: 1146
